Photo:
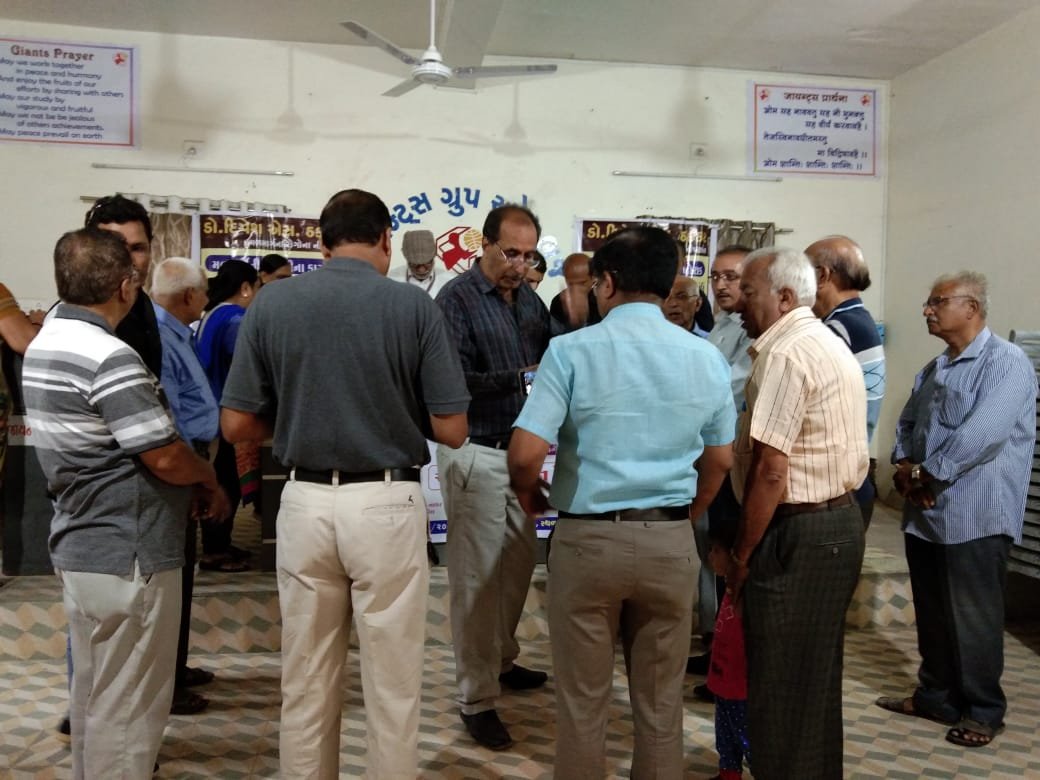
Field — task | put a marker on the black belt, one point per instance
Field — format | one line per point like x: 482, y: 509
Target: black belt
x: 656, y: 514
x: 786, y: 510
x: 494, y: 442
x: 352, y: 477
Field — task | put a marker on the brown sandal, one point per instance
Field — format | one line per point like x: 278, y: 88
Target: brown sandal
x: 905, y: 706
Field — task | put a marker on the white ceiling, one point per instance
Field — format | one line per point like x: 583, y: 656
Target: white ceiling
x: 877, y: 39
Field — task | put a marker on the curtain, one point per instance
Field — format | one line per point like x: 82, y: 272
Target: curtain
x: 753, y: 235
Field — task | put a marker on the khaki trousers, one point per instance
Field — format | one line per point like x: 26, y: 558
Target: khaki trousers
x: 637, y: 578
x: 351, y: 550
x: 491, y: 551
x: 124, y: 641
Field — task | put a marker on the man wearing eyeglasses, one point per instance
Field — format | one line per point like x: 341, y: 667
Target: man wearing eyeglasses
x: 419, y: 248
x: 841, y: 275
x: 683, y: 303
x: 729, y: 336
x: 963, y: 453
x: 501, y: 328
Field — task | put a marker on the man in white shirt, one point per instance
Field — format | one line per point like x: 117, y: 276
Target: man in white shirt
x: 420, y: 251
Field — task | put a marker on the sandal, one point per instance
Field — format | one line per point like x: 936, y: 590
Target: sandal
x: 223, y: 564
x: 972, y: 734
x: 238, y: 554
x: 906, y: 707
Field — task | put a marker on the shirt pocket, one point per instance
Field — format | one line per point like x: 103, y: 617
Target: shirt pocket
x: 954, y: 407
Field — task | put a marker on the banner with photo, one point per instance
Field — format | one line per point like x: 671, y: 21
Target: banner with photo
x: 697, y: 237
x: 220, y: 236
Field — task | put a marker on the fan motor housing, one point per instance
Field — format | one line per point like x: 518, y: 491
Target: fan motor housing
x: 431, y: 72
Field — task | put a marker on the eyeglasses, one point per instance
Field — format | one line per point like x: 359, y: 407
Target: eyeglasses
x: 726, y: 276
x: 530, y: 259
x: 682, y: 296
x: 595, y: 283
x: 941, y: 300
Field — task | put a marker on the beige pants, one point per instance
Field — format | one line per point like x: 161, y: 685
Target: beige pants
x: 352, y: 550
x: 490, y: 555
x: 124, y: 641
x: 635, y: 578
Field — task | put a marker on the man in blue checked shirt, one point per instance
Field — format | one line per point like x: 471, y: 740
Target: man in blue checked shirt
x: 963, y: 453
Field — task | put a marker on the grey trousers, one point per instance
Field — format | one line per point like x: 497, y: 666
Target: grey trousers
x: 124, y: 642
x: 803, y: 575
x: 491, y: 550
x: 636, y: 578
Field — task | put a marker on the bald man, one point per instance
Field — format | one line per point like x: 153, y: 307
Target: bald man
x: 575, y: 306
x: 683, y: 303
x: 841, y: 275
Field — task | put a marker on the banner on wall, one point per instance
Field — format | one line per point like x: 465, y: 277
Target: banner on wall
x: 812, y: 130
x: 68, y: 93
x: 697, y: 237
x: 221, y: 236
x: 438, y: 519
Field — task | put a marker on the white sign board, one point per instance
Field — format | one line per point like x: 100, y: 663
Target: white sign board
x: 67, y: 93
x: 813, y: 130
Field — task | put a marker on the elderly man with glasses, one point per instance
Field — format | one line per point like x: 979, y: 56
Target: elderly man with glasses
x: 963, y: 453
x: 501, y: 328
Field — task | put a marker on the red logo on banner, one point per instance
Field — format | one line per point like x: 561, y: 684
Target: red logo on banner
x: 458, y: 248
x: 119, y: 58
x: 865, y: 100
x: 763, y: 95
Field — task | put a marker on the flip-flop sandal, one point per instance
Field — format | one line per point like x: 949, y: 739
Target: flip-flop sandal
x: 973, y: 735
x: 238, y: 554
x: 905, y: 706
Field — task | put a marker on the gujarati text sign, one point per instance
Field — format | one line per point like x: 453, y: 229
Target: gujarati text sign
x: 813, y: 130
x: 68, y: 93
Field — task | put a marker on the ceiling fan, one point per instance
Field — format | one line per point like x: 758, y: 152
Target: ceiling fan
x: 429, y: 68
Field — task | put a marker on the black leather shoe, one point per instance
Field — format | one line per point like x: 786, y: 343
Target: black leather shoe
x: 486, y: 728
x: 65, y: 731
x: 520, y: 679
x: 698, y: 664
x: 187, y: 702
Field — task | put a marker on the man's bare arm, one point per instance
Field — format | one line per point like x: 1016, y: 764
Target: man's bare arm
x: 239, y: 426
x: 712, y: 467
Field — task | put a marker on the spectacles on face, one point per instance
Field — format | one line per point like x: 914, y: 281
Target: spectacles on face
x: 529, y: 259
x: 595, y: 283
x: 682, y: 296
x: 725, y: 276
x: 941, y: 300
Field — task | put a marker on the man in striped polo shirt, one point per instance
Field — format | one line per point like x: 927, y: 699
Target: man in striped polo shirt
x: 964, y: 448
x: 801, y: 450
x: 121, y: 478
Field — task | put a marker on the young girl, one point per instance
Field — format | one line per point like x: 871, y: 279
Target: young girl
x: 727, y: 675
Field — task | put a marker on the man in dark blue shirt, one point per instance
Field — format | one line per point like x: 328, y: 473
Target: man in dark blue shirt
x: 501, y: 328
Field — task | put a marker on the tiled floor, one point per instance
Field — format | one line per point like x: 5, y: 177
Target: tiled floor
x: 237, y: 737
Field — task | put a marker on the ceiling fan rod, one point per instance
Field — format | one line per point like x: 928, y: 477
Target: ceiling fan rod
x: 433, y: 24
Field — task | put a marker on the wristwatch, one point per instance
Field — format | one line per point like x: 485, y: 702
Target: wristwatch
x: 915, y: 473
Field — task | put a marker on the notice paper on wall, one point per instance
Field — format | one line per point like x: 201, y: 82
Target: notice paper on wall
x: 812, y: 130
x: 68, y: 93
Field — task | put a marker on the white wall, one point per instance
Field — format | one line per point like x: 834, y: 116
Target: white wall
x: 964, y: 166
x: 578, y: 125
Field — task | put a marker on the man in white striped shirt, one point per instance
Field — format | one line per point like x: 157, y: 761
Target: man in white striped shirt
x: 963, y: 451
x: 801, y: 450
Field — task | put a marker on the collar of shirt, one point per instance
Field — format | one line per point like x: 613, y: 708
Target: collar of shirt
x: 164, y: 318
x: 851, y: 303
x: 636, y: 309
x: 972, y: 351
x: 347, y: 263
x: 787, y: 322
x: 71, y: 311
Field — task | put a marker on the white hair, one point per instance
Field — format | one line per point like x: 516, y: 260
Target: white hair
x: 175, y: 275
x: 972, y: 283
x: 789, y: 269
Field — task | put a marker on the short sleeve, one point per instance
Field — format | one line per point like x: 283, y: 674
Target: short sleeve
x: 127, y: 397
x: 547, y: 406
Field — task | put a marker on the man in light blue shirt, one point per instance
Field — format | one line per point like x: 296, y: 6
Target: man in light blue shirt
x: 633, y: 403
x: 178, y: 297
x: 964, y: 448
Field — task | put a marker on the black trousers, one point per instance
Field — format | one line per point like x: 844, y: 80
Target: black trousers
x: 216, y: 536
x: 959, y: 603
x: 801, y: 581
x: 187, y: 588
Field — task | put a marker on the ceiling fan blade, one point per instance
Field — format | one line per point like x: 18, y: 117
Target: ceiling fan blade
x: 367, y: 35
x: 402, y: 88
x: 482, y: 72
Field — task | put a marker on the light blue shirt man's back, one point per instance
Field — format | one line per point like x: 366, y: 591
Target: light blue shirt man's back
x: 631, y: 403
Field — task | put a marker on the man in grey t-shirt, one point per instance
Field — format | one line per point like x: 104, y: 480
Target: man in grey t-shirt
x: 120, y: 476
x: 350, y: 373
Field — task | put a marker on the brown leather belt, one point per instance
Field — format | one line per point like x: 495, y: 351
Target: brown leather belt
x: 659, y: 514
x: 786, y: 510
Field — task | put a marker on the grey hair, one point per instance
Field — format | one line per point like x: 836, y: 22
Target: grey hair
x: 972, y: 283
x: 844, y: 258
x: 791, y: 269
x: 175, y: 275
